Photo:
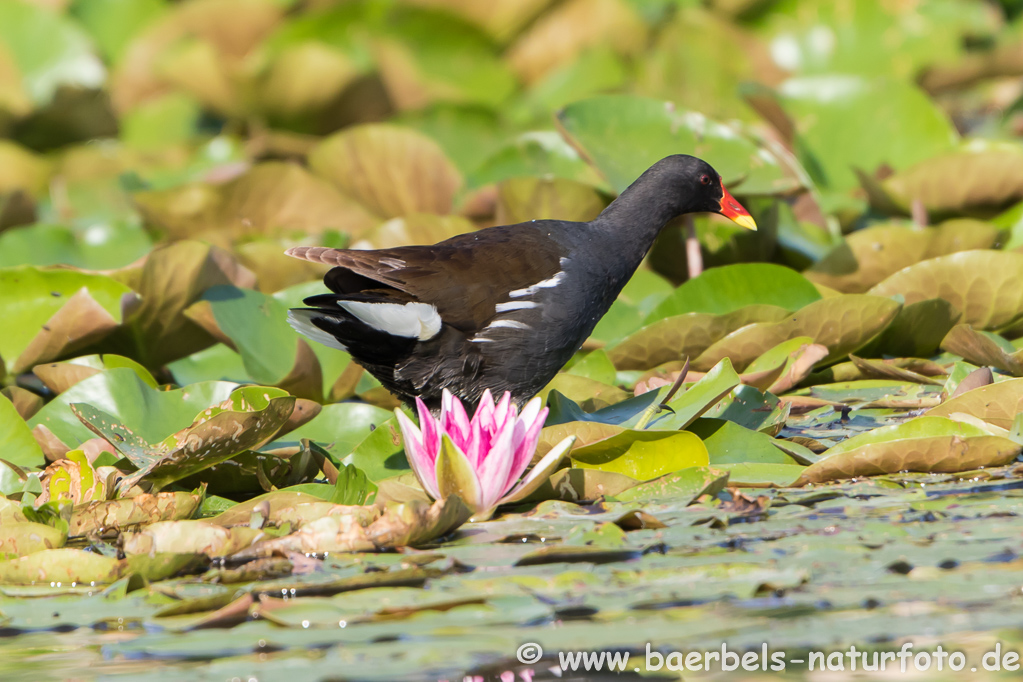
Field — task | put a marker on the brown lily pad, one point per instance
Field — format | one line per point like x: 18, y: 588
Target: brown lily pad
x: 926, y: 444
x: 841, y: 323
x: 390, y: 170
x: 997, y: 403
x: 99, y: 516
x: 688, y: 335
x: 985, y: 286
x: 984, y: 348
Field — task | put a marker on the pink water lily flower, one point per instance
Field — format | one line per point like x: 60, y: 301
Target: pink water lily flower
x: 481, y: 459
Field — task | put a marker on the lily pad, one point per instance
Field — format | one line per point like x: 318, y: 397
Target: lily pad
x: 626, y: 134
x: 984, y: 286
x: 929, y: 444
x: 17, y: 444
x: 685, y: 335
x: 643, y: 455
x: 54, y: 312
x: 997, y: 403
x: 841, y: 323
x: 984, y: 348
x: 732, y: 287
x: 393, y: 171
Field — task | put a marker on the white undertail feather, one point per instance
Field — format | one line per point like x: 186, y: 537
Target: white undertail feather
x: 411, y: 320
x: 301, y: 321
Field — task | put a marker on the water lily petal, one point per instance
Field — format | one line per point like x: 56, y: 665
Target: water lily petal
x: 531, y: 411
x: 504, y: 411
x: 525, y: 445
x: 455, y: 476
x: 422, y: 464
x: 430, y: 431
x: 455, y: 422
x: 540, y: 473
x: 485, y: 410
x: 493, y: 472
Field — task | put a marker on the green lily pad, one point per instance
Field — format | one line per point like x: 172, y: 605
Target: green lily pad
x: 54, y: 312
x: 246, y: 420
x: 836, y: 117
x: 626, y: 134
x: 730, y: 443
x: 682, y: 487
x: 21, y: 539
x: 16, y: 442
x: 643, y: 455
x: 732, y: 287
x: 150, y: 413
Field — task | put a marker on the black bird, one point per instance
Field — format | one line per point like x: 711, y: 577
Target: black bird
x: 503, y: 308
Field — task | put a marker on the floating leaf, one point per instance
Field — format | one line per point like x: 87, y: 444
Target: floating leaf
x: 681, y: 487
x: 732, y: 287
x: 983, y: 285
x: 642, y: 455
x: 626, y: 134
x: 51, y: 313
x: 984, y: 348
x: 841, y: 323
x: 393, y: 171
x: 871, y: 255
x: 978, y: 179
x: 271, y: 198
x: 916, y: 331
x: 686, y: 335
x: 61, y: 376
x: 997, y: 403
x: 96, y: 517
x: 835, y: 120
x: 523, y: 199
x: 925, y: 444
x: 17, y: 445
x: 189, y: 537
x: 398, y: 525
x: 21, y: 539
x: 729, y: 443
x: 554, y: 39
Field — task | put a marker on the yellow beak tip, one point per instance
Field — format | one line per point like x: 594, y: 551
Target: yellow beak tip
x: 746, y: 221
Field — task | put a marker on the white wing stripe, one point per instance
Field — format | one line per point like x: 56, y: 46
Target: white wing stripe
x: 514, y: 305
x: 544, y: 284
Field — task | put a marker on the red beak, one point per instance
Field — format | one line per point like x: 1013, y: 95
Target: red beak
x: 732, y: 209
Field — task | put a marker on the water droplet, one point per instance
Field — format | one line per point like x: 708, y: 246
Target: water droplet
x: 342, y: 623
x: 305, y: 624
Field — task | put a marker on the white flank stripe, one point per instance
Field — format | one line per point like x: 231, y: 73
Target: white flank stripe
x: 509, y: 324
x: 479, y: 339
x: 301, y: 321
x: 411, y: 320
x: 513, y: 305
x: 545, y: 284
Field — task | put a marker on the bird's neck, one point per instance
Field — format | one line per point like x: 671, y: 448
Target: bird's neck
x: 635, y: 218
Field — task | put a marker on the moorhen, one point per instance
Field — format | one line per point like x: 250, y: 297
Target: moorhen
x: 502, y: 308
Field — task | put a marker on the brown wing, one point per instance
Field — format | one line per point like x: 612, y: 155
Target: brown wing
x: 464, y: 277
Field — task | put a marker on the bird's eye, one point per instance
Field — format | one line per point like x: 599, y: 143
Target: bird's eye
x: 705, y: 179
